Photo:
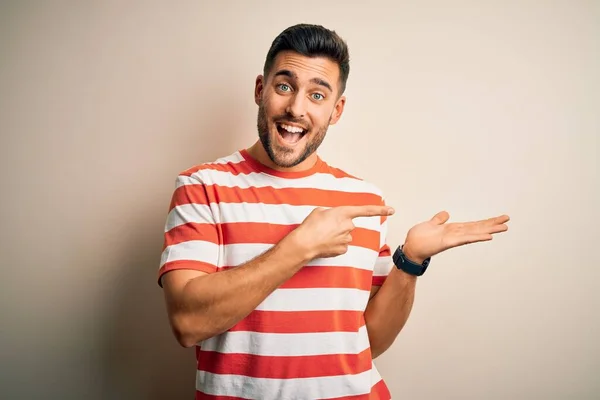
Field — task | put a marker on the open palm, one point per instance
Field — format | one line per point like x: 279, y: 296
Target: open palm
x: 434, y: 236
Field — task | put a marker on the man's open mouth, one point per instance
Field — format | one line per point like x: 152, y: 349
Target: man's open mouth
x: 290, y: 133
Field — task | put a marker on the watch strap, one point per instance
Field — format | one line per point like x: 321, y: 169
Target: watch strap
x: 403, y: 263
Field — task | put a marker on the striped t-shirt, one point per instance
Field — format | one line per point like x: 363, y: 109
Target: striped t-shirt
x: 307, y: 339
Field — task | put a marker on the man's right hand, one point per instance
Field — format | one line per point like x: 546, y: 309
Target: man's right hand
x: 201, y: 306
x: 327, y: 232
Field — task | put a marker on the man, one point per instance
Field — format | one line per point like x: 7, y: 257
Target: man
x: 276, y: 265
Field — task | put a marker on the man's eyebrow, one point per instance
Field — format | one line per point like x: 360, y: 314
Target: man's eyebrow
x: 321, y: 82
x: 285, y: 72
x: 291, y: 75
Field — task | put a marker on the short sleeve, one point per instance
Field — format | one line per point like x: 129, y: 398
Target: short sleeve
x: 383, y: 264
x: 191, y: 236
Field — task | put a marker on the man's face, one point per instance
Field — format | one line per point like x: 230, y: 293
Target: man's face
x: 297, y: 103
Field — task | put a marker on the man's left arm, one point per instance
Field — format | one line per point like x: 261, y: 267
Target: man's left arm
x: 390, y: 305
x: 388, y: 309
x: 391, y: 299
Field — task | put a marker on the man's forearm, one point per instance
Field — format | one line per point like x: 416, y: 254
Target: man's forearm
x: 211, y: 304
x: 388, y: 311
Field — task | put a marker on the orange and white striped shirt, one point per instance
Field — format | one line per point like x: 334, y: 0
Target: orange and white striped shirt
x: 307, y: 339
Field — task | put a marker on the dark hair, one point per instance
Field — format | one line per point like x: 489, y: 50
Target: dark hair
x: 312, y: 41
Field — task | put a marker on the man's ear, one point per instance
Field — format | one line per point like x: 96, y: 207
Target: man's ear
x: 258, y: 89
x: 338, y: 110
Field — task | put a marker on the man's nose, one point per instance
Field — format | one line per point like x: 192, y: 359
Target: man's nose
x: 297, y: 106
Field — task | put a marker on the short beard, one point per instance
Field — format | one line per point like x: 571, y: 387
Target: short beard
x: 265, y: 139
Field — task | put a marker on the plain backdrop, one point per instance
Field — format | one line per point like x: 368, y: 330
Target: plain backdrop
x: 475, y: 107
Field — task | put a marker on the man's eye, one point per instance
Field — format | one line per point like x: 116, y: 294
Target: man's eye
x: 284, y: 87
x: 318, y: 96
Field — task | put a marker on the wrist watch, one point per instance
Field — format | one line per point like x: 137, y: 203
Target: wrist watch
x: 408, y: 266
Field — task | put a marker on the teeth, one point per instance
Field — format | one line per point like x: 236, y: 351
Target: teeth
x: 292, y: 129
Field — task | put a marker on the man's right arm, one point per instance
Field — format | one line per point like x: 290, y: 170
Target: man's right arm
x: 202, y: 305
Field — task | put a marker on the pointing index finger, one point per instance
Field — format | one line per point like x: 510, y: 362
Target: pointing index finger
x: 367, y: 211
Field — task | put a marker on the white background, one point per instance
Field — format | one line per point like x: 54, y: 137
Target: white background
x: 476, y: 107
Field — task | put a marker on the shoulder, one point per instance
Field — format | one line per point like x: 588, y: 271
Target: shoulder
x: 203, y: 172
x: 349, y: 179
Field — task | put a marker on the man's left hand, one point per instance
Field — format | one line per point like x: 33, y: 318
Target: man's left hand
x: 434, y: 236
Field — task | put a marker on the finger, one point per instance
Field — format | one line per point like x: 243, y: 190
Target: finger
x: 348, y: 239
x: 348, y: 226
x: 365, y: 211
x: 342, y: 249
x: 440, y: 218
x: 498, y: 228
x: 502, y: 219
x: 468, y: 239
x: 478, y: 238
x: 484, y: 227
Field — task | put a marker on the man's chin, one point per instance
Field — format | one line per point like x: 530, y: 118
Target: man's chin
x: 286, y: 160
x: 285, y: 157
